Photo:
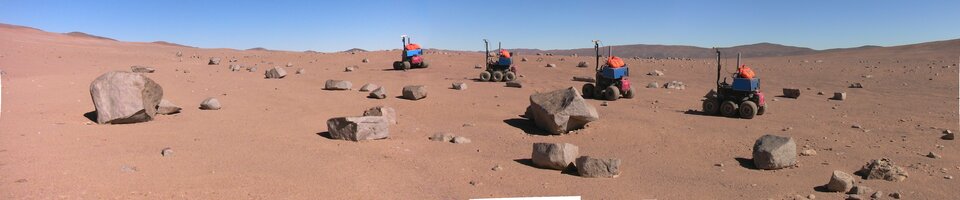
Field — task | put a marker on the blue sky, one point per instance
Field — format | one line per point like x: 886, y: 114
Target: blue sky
x: 461, y: 24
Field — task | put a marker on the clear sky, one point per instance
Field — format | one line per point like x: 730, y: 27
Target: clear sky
x: 461, y: 24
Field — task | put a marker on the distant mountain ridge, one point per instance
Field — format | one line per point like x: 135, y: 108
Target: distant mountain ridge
x: 681, y: 51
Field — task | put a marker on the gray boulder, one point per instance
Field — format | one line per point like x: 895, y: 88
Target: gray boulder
x: 554, y: 155
x: 141, y: 69
x: 234, y: 68
x: 840, y: 96
x: 337, y: 85
x: 358, y: 128
x: 167, y: 108
x: 414, y: 92
x: 560, y: 111
x: 597, y: 167
x: 379, y: 93
x: 774, y: 152
x: 840, y: 182
x: 515, y: 83
x: 275, y: 73
x: 388, y: 113
x: 125, y: 97
x: 210, y: 104
x: 653, y: 85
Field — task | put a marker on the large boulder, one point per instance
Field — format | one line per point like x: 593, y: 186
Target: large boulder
x: 358, y: 128
x: 774, y: 152
x: 275, y: 73
x: 337, y: 85
x: 840, y: 182
x: 883, y: 169
x: 167, y: 108
x: 125, y: 97
x: 560, y: 111
x: 414, y: 92
x: 598, y: 167
x: 554, y: 155
x: 386, y: 112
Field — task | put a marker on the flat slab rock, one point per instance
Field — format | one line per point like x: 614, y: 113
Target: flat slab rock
x: 358, y: 128
x: 337, y: 85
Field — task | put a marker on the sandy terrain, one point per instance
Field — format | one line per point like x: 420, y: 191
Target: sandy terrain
x: 266, y: 144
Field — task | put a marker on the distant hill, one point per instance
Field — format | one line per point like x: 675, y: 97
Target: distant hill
x: 355, y: 50
x: 258, y: 49
x: 171, y: 44
x: 85, y: 35
x: 679, y: 51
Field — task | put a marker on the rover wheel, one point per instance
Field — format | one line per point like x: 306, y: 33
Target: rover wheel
x: 509, y: 76
x: 424, y: 64
x: 612, y: 93
x: 588, y: 90
x: 406, y: 65
x: 497, y: 76
x: 628, y: 94
x: 748, y: 109
x: 762, y: 109
x: 729, y: 109
x: 711, y: 106
x: 485, y: 76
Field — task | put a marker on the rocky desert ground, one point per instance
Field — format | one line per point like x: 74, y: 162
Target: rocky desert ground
x: 269, y: 139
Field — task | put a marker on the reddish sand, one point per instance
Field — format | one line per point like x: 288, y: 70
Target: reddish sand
x: 265, y: 142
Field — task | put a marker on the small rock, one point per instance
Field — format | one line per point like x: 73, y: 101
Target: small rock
x: 598, y: 168
x: 141, y: 69
x: 582, y: 64
x: 368, y: 87
x: 877, y: 195
x: 655, y: 73
x: 289, y: 64
x: 791, y: 93
x: 475, y: 183
x: 856, y: 126
x: 210, y: 104
x: 128, y: 168
x: 337, y: 85
x: 524, y: 59
x: 856, y: 85
x: 252, y: 69
x: 948, y: 135
x: 584, y: 79
x: 840, y: 96
x: 365, y: 60
x: 166, y: 152
x: 459, y: 86
x: 496, y: 168
x: 214, y: 61
x: 861, y: 190
x: 234, y: 68
x: 653, y: 85
x: 414, y: 92
x: 840, y: 182
x: 275, y: 73
x: 808, y: 152
x: 819, y: 93
x: 603, y: 104
x: 854, y: 197
x: 350, y: 68
x: 461, y: 140
x: 301, y: 71
x: 933, y: 155
x: 515, y: 83
x: 167, y: 108
x: 551, y: 65
x: 896, y: 195
x: 675, y: 85
x: 442, y: 137
x: 379, y: 93
x: 477, y: 66
x: 948, y: 177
